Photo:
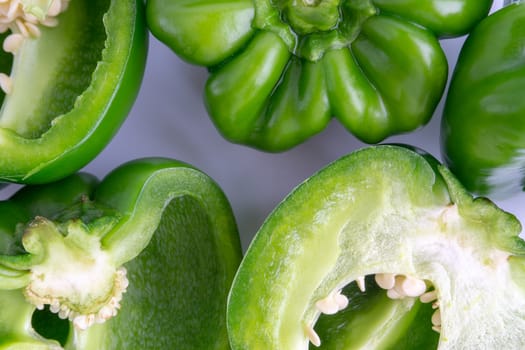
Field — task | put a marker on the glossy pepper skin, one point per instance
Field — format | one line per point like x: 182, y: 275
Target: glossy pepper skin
x: 382, y: 249
x: 72, y: 87
x: 143, y: 259
x: 483, y: 127
x: 280, y: 69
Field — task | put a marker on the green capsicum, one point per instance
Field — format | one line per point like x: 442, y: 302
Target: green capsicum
x: 382, y: 249
x: 483, y: 126
x: 70, y: 72
x: 280, y: 69
x: 143, y: 259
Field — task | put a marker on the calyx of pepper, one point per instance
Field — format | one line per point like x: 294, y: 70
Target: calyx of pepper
x: 307, y: 16
x: 311, y: 27
x: 71, y: 272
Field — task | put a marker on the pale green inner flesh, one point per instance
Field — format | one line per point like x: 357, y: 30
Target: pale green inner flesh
x: 474, y: 283
x: 51, y: 71
x: 382, y: 232
x: 382, y: 210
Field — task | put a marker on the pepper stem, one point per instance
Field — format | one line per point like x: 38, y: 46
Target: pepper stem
x: 309, y: 28
x: 74, y: 275
x: 310, y: 16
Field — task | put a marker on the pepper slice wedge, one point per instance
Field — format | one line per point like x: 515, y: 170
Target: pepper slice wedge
x: 401, y: 217
x: 142, y: 259
x: 72, y: 84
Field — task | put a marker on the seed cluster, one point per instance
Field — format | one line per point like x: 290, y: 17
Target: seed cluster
x: 397, y: 287
x: 400, y: 286
x: 331, y: 304
x: 22, y: 24
x: 431, y: 297
x: 81, y: 321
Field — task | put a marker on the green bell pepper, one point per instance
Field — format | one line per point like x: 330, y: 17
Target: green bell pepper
x: 383, y: 249
x: 70, y: 74
x: 280, y: 69
x: 483, y: 127
x: 143, y: 259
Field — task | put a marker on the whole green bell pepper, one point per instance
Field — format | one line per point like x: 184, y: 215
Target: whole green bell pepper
x: 383, y: 249
x: 483, y: 128
x: 280, y: 69
x: 70, y: 73
x: 143, y: 259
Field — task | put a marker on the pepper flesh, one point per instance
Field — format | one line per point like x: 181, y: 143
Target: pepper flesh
x: 381, y: 210
x: 280, y: 69
x: 143, y: 259
x: 72, y: 87
x: 484, y: 116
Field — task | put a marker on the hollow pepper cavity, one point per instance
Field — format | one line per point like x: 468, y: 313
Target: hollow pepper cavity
x: 143, y: 259
x: 280, y: 69
x: 69, y: 72
x: 382, y: 249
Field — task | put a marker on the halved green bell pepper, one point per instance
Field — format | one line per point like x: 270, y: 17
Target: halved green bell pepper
x: 280, y: 69
x: 69, y: 76
x: 143, y: 259
x: 383, y: 249
x: 483, y: 130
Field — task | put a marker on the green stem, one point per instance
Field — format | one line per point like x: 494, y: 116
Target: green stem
x: 311, y: 27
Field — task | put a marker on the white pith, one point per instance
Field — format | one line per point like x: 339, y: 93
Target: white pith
x: 468, y: 281
x: 56, y: 292
x: 76, y: 277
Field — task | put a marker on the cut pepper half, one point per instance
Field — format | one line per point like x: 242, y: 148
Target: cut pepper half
x: 143, y: 259
x: 70, y: 72
x: 382, y: 249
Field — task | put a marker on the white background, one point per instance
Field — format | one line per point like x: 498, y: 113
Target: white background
x: 169, y: 119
